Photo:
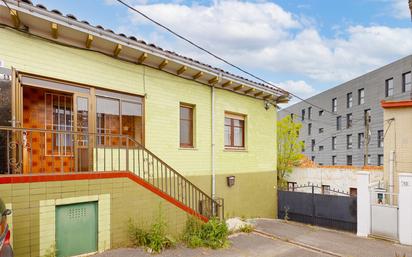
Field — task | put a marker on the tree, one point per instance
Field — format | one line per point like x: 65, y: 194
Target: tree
x: 289, y: 148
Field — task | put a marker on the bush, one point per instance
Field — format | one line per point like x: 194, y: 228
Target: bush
x: 212, y: 234
x: 155, y: 239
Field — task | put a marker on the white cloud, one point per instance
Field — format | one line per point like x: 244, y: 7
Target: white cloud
x: 400, y: 9
x: 298, y: 87
x: 263, y: 36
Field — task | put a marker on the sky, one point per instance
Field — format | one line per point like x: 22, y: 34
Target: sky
x: 303, y: 46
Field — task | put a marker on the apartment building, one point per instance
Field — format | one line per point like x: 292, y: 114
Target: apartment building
x: 334, y: 134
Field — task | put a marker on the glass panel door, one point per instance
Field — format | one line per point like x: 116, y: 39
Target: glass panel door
x: 83, y: 144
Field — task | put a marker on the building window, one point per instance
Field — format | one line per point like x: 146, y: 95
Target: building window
x: 334, y: 105
x: 338, y: 123
x: 406, y: 82
x: 380, y: 138
x: 303, y: 146
x: 361, y: 96
x: 389, y: 87
x: 292, y: 186
x: 313, y: 145
x: 309, y: 113
x: 361, y: 140
x: 380, y: 159
x: 292, y: 116
x: 234, y: 130
x: 333, y: 143
x: 186, y: 125
x: 320, y: 130
x: 348, y: 141
x: 321, y: 113
x: 349, y: 100
x: 312, y: 158
x: 303, y: 115
x: 353, y: 191
x: 367, y: 162
x: 309, y: 129
x: 326, y: 189
x: 367, y: 113
x: 321, y: 148
x: 349, y: 160
x: 334, y: 160
x: 349, y: 120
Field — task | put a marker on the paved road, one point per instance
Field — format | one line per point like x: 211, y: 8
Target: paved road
x: 276, y: 238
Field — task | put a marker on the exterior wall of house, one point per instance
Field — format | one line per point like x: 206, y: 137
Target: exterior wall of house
x: 33, y: 205
x: 374, y: 85
x: 398, y: 139
x: 254, y: 167
x: 342, y: 179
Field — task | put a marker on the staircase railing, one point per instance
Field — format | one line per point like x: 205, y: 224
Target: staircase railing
x: 31, y: 150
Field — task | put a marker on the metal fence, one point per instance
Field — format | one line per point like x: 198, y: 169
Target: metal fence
x: 331, y: 211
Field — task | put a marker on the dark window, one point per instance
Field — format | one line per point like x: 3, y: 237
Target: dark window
x: 321, y: 113
x: 361, y: 96
x: 353, y: 191
x: 380, y: 138
x: 334, y: 160
x: 321, y: 148
x: 326, y: 189
x: 348, y: 141
x: 303, y: 115
x: 234, y: 131
x: 389, y: 87
x: 303, y: 146
x: 338, y: 123
x: 309, y: 113
x: 292, y: 116
x: 313, y: 145
x: 367, y: 162
x: 320, y: 130
x: 406, y: 82
x: 309, y: 129
x: 186, y: 126
x: 349, y: 100
x: 334, y: 105
x: 361, y: 140
x: 313, y: 158
x: 380, y: 159
x: 349, y: 160
x: 348, y: 120
x: 333, y: 143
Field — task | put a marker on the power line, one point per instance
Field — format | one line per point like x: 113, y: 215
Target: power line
x: 218, y: 57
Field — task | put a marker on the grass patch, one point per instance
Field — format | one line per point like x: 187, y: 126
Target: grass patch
x: 212, y: 234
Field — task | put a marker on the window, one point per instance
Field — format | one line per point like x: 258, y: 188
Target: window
x: 349, y: 160
x: 338, y: 123
x: 348, y: 141
x: 349, y: 120
x: 326, y: 189
x: 186, y: 125
x: 321, y: 148
x: 380, y: 138
x: 361, y: 96
x: 309, y: 113
x: 121, y: 115
x: 349, y: 100
x: 367, y: 114
x: 320, y: 130
x: 303, y: 115
x: 309, y: 129
x: 380, y: 159
x: 389, y: 87
x: 367, y: 162
x: 234, y: 130
x: 291, y: 116
x: 334, y: 160
x: 333, y: 143
x: 353, y: 191
x: 292, y: 186
x: 313, y: 145
x: 406, y: 82
x: 312, y: 158
x: 334, y: 105
x: 321, y: 113
x: 361, y: 140
x: 303, y: 146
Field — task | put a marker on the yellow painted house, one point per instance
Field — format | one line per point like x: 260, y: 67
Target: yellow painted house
x: 97, y: 128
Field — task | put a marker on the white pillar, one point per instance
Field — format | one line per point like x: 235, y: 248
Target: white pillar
x: 405, y: 208
x: 363, y: 203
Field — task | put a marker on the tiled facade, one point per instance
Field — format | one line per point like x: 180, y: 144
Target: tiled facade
x: 328, y: 145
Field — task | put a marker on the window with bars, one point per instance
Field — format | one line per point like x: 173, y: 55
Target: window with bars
x: 186, y: 125
x: 234, y: 131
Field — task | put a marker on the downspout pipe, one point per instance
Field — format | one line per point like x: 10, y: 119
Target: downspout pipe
x: 391, y: 168
x: 213, y: 143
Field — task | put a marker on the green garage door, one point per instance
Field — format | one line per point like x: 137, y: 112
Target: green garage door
x: 76, y: 229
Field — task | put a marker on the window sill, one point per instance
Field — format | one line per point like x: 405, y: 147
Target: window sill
x: 188, y: 148
x: 235, y: 149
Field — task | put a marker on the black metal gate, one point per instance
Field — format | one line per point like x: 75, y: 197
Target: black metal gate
x: 326, y: 210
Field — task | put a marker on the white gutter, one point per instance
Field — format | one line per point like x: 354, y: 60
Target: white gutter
x: 89, y: 29
x: 213, y: 144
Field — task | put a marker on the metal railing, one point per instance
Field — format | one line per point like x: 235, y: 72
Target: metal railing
x: 34, y: 151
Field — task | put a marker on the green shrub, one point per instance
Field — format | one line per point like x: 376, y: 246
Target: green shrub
x: 248, y: 228
x: 155, y: 239
x: 212, y: 234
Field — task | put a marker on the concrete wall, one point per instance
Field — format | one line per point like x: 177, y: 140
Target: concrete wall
x: 374, y: 85
x: 398, y: 138
x: 337, y: 178
x: 163, y: 93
